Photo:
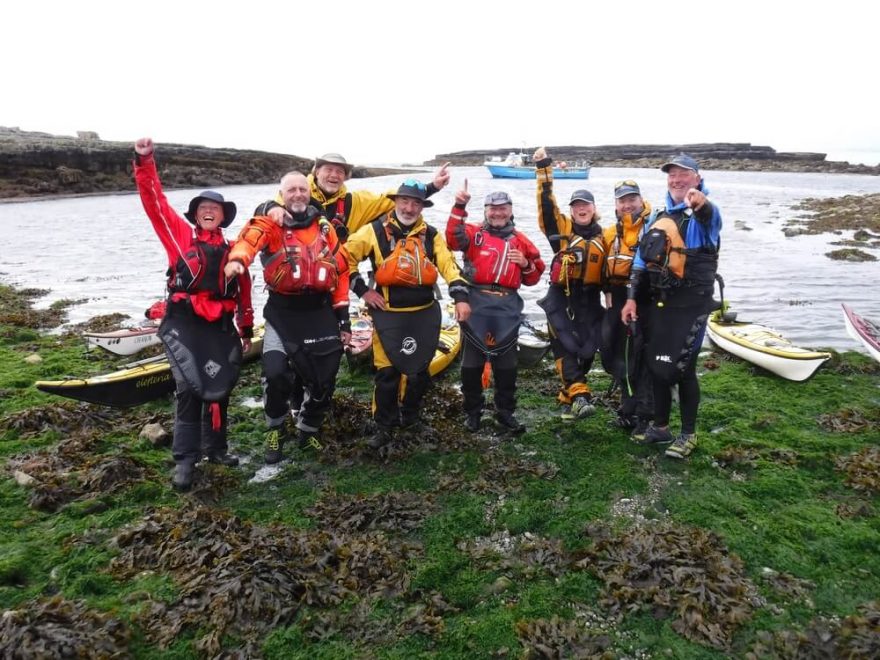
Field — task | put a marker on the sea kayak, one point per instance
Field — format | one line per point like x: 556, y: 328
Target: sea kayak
x: 764, y: 347
x: 863, y: 330
x: 127, y: 341
x: 137, y: 383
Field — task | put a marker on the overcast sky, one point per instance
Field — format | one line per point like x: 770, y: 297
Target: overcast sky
x: 385, y: 82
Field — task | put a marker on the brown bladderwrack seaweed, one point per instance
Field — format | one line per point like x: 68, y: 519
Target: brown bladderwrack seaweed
x: 559, y: 638
x: 74, y: 471
x: 58, y: 628
x: 862, y: 469
x: 525, y: 555
x: 390, y: 512
x: 674, y: 570
x: 240, y: 579
x: 856, y: 637
x: 850, y: 420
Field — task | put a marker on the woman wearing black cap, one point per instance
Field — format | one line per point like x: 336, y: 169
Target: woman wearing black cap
x: 200, y: 339
x: 573, y: 304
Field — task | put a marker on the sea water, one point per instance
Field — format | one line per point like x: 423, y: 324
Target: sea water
x: 102, y: 251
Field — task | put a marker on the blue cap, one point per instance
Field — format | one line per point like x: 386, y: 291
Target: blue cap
x: 681, y: 160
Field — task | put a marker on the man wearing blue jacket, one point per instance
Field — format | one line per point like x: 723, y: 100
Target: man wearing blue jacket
x: 677, y: 261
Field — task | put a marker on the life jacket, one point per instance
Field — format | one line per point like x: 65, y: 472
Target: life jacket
x: 663, y: 250
x: 618, y: 261
x: 580, y: 262
x: 409, y: 262
x: 339, y: 218
x: 490, y: 261
x: 299, y: 267
x: 200, y: 269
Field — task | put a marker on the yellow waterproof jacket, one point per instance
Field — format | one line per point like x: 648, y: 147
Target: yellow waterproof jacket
x: 560, y: 231
x: 375, y: 241
x: 621, y: 241
x: 347, y: 210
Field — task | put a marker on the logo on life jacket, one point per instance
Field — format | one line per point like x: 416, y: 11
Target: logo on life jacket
x: 300, y: 267
x: 408, y: 264
x: 212, y: 368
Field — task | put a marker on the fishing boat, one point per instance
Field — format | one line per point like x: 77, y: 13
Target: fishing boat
x: 532, y: 344
x: 764, y: 347
x: 136, y: 383
x: 519, y: 166
x: 863, y: 330
x: 127, y: 341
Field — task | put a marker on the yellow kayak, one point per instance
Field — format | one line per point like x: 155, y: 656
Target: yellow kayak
x: 764, y: 347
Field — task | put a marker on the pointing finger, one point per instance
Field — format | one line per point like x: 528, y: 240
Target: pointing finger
x: 465, y: 184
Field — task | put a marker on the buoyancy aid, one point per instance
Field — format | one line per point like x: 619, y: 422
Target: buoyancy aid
x: 409, y: 262
x: 489, y: 261
x: 200, y: 269
x: 299, y: 266
x: 580, y: 262
x: 623, y: 246
x: 663, y: 250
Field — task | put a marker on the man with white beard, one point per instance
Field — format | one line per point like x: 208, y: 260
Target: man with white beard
x: 406, y: 255
x: 305, y: 268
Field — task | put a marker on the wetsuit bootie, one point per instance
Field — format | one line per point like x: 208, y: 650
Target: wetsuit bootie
x: 229, y: 460
x: 275, y: 439
x: 508, y: 422
x: 183, y: 476
x: 472, y: 421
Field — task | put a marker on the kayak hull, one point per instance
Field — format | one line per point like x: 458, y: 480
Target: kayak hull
x: 765, y: 348
x: 863, y: 330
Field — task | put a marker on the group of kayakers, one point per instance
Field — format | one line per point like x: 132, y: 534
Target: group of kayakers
x: 653, y: 270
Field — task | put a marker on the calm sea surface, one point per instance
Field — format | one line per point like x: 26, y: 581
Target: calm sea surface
x: 103, y: 250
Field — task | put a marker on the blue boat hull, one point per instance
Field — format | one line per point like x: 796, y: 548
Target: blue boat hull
x: 508, y: 172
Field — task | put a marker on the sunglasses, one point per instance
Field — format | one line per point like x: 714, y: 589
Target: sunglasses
x: 415, y: 183
x: 629, y: 183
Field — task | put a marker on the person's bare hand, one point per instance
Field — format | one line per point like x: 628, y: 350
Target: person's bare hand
x: 442, y: 176
x: 695, y: 199
x: 463, y: 196
x: 517, y: 257
x: 277, y: 213
x: 233, y: 269
x: 462, y: 311
x: 374, y: 299
x: 629, y: 313
x: 144, y: 146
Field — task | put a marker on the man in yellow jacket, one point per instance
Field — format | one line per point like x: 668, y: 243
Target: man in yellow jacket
x: 406, y: 255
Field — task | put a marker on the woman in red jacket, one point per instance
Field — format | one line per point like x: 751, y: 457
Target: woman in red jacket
x: 201, y: 341
x: 497, y: 261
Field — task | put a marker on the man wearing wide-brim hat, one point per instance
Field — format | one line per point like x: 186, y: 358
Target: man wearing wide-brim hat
x: 677, y: 263
x: 406, y: 255
x: 347, y: 210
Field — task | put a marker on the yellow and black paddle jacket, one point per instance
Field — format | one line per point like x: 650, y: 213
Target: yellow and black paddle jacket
x: 347, y: 210
x: 621, y: 244
x: 377, y: 240
x: 579, y: 256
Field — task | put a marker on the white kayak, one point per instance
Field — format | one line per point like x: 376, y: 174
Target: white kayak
x: 764, y: 347
x: 532, y: 344
x: 863, y: 330
x: 127, y: 341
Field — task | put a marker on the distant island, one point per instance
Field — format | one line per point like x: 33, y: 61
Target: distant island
x: 741, y: 156
x: 35, y: 165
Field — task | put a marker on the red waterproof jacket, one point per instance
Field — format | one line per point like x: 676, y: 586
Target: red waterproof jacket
x: 485, y: 253
x: 180, y: 238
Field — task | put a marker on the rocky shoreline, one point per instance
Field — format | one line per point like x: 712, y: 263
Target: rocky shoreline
x: 39, y: 165
x: 739, y: 156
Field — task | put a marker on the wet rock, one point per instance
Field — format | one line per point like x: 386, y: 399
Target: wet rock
x: 155, y: 435
x: 23, y: 478
x: 33, y: 358
x: 850, y: 254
